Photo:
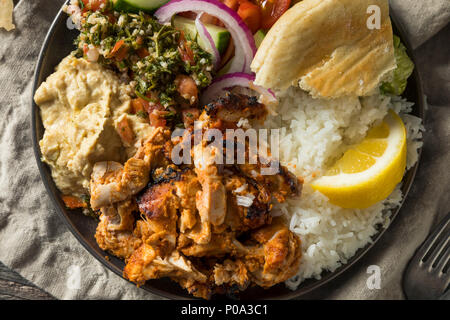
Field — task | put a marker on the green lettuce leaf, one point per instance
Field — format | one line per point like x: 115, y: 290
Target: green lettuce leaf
x: 404, y: 69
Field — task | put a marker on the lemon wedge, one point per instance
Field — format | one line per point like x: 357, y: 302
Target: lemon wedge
x: 368, y: 172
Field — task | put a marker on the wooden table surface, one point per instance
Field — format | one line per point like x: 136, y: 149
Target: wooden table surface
x: 14, y: 287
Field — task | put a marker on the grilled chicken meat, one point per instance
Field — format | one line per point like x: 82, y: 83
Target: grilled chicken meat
x: 211, y: 200
x: 221, y: 244
x: 272, y: 256
x: 249, y: 191
x: 248, y: 203
x: 279, y: 248
x: 206, y: 225
x: 115, y: 230
x: 227, y: 111
x: 111, y: 182
x: 160, y: 203
x: 281, y: 185
x: 146, y: 264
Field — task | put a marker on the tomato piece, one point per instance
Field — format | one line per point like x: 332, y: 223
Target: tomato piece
x: 117, y: 47
x: 232, y: 4
x: 124, y: 130
x: 111, y: 18
x: 120, y: 51
x: 187, y: 88
x: 85, y: 49
x: 73, y: 202
x: 142, y: 53
x: 139, y: 40
x: 156, y: 120
x: 187, y: 55
x: 137, y: 105
x: 250, y: 14
x: 93, y: 5
x: 272, y: 10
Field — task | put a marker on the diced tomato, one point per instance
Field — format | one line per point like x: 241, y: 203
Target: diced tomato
x: 139, y: 40
x: 138, y: 105
x: 117, y: 47
x: 187, y: 88
x: 272, y: 10
x: 185, y: 50
x: 93, y: 5
x: 251, y: 14
x: 189, y: 54
x: 85, y: 49
x: 120, y: 51
x: 111, y: 18
x: 73, y: 202
x: 155, y: 110
x: 156, y: 120
x: 142, y: 53
x: 124, y: 130
x: 232, y: 4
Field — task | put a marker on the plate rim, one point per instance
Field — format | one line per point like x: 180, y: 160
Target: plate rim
x: 301, y: 291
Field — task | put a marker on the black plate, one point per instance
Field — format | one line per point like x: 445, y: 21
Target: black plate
x: 57, y: 45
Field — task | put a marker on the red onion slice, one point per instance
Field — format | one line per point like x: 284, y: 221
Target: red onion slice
x: 208, y: 40
x: 245, y: 48
x: 221, y: 85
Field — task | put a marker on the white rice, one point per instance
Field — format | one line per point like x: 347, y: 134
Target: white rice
x: 314, y: 133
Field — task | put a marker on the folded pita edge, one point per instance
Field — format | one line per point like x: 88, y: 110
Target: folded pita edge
x: 330, y: 48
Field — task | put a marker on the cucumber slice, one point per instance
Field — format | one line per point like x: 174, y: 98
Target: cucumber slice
x: 138, y: 5
x: 259, y: 37
x: 220, y: 36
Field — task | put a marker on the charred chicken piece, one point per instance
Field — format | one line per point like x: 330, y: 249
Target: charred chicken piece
x: 211, y: 200
x: 280, y: 185
x: 221, y: 244
x: 158, y: 205
x: 248, y: 203
x: 146, y: 264
x: 111, y: 182
x: 231, y: 108
x: 207, y: 226
x: 273, y: 256
x: 279, y: 248
x: 115, y: 231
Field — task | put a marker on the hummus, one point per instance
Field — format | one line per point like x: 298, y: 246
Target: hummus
x: 80, y: 106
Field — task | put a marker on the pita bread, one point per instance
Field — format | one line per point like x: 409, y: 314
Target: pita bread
x: 326, y: 48
x: 6, y: 12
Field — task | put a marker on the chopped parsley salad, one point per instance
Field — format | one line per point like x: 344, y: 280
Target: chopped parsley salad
x: 154, y: 57
x: 187, y: 52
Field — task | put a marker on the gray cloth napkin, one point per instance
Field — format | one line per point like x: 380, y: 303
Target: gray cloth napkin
x: 35, y: 242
